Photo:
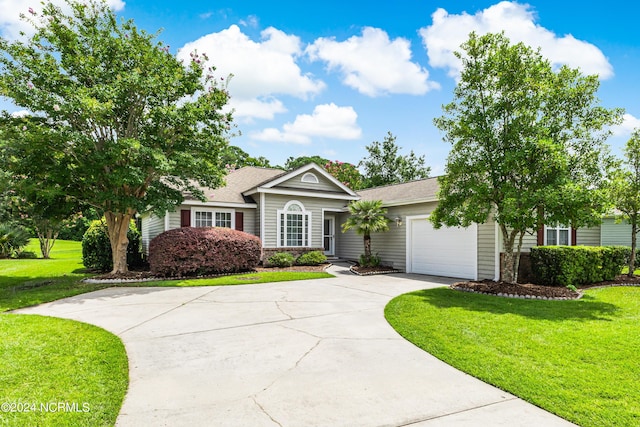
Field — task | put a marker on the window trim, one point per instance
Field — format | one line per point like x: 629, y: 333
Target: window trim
x: 213, y: 212
x: 557, y: 228
x: 281, y: 241
x: 310, y: 178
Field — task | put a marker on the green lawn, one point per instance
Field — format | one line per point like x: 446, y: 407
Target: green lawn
x: 27, y: 282
x: 56, y: 372
x: 578, y: 359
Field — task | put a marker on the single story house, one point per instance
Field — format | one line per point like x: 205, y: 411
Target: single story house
x: 304, y: 209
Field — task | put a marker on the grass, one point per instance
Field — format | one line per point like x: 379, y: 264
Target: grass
x: 577, y: 359
x: 27, y: 282
x: 47, y: 362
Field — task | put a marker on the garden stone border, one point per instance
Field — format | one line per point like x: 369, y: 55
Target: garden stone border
x: 515, y: 296
x: 372, y: 273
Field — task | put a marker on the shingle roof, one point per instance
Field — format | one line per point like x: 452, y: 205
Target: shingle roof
x: 412, y: 191
x: 239, y: 181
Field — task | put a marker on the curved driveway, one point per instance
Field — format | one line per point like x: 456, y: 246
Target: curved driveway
x: 307, y: 353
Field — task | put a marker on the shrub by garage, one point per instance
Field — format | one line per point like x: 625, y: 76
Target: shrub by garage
x: 191, y: 251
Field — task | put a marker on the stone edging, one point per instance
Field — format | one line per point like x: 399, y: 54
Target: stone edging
x: 372, y: 273
x: 505, y: 295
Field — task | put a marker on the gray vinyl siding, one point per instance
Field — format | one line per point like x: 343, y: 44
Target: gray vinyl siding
x: 615, y: 233
x: 275, y: 202
x: 391, y: 246
x: 487, y: 250
x: 588, y: 236
x: 151, y: 227
x: 249, y: 217
x: 322, y: 185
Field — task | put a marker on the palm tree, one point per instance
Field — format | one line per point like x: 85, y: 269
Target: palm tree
x: 367, y: 216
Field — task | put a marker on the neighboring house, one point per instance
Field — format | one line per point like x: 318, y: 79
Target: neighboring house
x: 304, y: 210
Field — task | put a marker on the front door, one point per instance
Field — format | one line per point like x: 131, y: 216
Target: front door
x: 329, y: 235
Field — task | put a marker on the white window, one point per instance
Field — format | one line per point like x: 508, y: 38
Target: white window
x: 294, y: 225
x: 557, y: 235
x: 223, y: 219
x: 204, y: 219
x: 213, y: 218
x: 310, y: 177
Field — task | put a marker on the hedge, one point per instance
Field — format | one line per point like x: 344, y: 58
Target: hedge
x: 96, y: 247
x: 577, y: 265
x: 189, y: 251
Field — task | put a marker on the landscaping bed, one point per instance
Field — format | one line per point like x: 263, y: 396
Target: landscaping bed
x: 531, y: 290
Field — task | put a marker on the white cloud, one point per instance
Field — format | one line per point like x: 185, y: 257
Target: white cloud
x: 327, y: 120
x: 448, y: 32
x: 628, y: 125
x: 373, y: 64
x: 11, y: 24
x: 261, y: 70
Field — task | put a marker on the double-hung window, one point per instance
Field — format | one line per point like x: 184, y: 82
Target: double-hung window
x: 557, y: 235
x: 294, y: 224
x: 213, y: 218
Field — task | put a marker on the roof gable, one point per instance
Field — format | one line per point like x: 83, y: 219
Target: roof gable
x: 304, y: 179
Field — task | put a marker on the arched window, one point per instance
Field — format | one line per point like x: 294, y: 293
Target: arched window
x: 294, y: 225
x: 310, y: 178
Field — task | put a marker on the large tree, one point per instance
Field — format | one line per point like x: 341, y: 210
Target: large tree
x: 297, y: 162
x: 528, y: 144
x: 134, y: 126
x: 384, y: 165
x: 625, y: 192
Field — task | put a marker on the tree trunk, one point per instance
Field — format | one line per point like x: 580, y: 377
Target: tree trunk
x: 632, y: 258
x: 367, y: 246
x: 511, y: 259
x: 117, y: 227
x: 47, y: 239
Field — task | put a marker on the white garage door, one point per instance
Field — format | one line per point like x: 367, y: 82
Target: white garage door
x: 447, y: 251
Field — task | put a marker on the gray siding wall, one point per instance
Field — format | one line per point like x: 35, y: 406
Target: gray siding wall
x: 323, y: 184
x: 151, y: 226
x: 275, y: 202
x: 612, y: 233
x: 392, y: 245
x: 588, y: 236
x: 487, y: 250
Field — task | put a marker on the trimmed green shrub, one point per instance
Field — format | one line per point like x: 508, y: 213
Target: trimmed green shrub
x: 369, y: 261
x: 13, y: 238
x: 281, y: 259
x: 311, y: 258
x: 96, y: 248
x: 189, y: 251
x: 576, y: 265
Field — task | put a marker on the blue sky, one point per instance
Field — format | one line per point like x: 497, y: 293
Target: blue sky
x: 331, y: 77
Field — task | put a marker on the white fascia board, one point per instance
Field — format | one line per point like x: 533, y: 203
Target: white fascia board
x: 303, y: 193
x: 220, y: 204
x: 409, y: 202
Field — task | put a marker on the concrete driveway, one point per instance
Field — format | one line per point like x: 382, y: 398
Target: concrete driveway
x: 308, y: 353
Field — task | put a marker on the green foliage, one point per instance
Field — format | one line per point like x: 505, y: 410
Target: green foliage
x: 577, y: 265
x: 297, y: 162
x: 235, y: 158
x: 528, y: 144
x: 73, y: 228
x: 624, y: 191
x: 346, y: 173
x: 369, y: 260
x: 13, y: 238
x: 96, y: 247
x: 119, y: 123
x: 281, y: 259
x: 367, y: 217
x: 385, y: 166
x: 311, y: 258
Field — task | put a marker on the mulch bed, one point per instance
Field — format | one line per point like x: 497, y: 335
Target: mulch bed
x: 537, y: 291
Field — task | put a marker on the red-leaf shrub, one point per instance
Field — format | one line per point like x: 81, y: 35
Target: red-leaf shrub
x: 191, y: 251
